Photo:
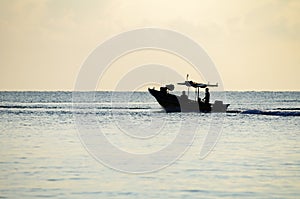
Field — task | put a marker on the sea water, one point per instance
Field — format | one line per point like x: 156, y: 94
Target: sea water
x: 256, y: 154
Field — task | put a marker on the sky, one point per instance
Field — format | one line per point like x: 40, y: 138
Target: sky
x: 254, y: 44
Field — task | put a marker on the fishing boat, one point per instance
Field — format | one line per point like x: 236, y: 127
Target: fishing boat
x: 173, y: 103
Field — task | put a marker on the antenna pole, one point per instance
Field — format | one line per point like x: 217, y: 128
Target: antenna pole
x: 187, y: 79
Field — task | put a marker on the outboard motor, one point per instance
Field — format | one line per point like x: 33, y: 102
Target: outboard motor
x: 218, y: 106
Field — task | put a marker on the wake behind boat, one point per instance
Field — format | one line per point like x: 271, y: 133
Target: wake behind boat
x: 174, y: 103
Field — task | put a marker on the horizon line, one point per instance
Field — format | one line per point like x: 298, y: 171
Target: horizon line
x: 143, y: 91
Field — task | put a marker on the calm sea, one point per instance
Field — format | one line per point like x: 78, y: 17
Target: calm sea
x: 257, y: 154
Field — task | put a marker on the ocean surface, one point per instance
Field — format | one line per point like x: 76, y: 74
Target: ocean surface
x: 256, y: 151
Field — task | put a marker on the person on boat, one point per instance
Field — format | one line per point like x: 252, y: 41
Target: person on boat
x: 207, y: 96
x: 163, y: 90
x: 184, y: 96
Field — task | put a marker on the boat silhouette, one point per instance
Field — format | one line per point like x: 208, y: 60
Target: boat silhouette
x: 173, y: 103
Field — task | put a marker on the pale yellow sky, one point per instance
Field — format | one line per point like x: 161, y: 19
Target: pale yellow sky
x: 254, y: 44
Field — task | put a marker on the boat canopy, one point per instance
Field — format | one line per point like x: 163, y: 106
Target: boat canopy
x: 197, y: 85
